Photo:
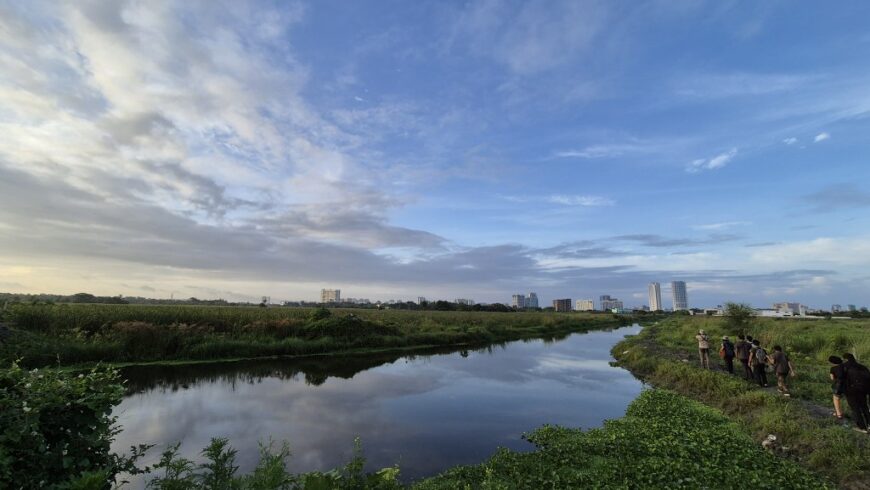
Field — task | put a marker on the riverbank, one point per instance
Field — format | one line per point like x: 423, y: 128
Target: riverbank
x: 665, y: 356
x: 65, y: 335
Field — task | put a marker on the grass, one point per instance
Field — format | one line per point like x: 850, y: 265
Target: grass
x: 659, y: 356
x: 75, y: 334
x: 664, y: 441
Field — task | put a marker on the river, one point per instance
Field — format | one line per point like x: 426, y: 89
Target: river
x: 425, y: 411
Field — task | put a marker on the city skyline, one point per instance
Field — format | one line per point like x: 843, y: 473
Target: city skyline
x: 233, y: 150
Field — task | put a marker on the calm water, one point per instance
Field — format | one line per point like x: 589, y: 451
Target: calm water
x: 426, y: 412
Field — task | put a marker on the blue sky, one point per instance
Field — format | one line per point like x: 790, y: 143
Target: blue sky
x: 442, y: 149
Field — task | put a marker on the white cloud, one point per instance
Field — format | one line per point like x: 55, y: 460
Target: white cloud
x: 717, y: 161
x: 790, y: 141
x: 720, y: 226
x: 821, y: 137
x: 589, y: 201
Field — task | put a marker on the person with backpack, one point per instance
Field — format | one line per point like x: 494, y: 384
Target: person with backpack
x: 856, y: 381
x: 758, y: 361
x: 837, y: 385
x: 703, y: 348
x: 726, y: 352
x: 783, y: 367
x: 741, y: 348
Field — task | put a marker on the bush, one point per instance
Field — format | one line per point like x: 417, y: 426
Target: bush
x: 56, y: 427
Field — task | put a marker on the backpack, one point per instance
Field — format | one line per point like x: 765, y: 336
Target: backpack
x: 760, y: 356
x: 858, y: 379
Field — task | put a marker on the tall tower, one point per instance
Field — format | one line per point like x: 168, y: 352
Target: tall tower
x: 532, y: 300
x: 655, y: 296
x: 681, y: 299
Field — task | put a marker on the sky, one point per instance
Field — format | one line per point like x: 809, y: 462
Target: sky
x: 432, y: 148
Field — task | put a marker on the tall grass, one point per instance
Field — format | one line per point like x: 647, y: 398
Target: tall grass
x: 71, y: 334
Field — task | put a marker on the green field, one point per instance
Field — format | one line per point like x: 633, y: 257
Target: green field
x: 665, y: 355
x: 44, y: 335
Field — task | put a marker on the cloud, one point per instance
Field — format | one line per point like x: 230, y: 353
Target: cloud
x: 790, y: 141
x: 720, y: 226
x: 727, y: 85
x: 577, y: 200
x: 821, y: 137
x: 652, y: 240
x: 717, y: 161
x: 531, y: 37
x: 834, y: 197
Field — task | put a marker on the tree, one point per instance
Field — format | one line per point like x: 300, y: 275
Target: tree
x: 738, y: 316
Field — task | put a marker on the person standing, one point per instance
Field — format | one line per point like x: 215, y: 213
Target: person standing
x: 837, y: 386
x: 782, y: 367
x: 703, y: 348
x: 741, y: 348
x: 726, y: 352
x: 856, y: 380
x: 758, y: 361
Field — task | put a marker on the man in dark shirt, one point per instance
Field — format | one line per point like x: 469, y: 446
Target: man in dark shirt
x: 741, y: 348
x: 856, y: 381
x: 782, y: 367
x: 727, y: 353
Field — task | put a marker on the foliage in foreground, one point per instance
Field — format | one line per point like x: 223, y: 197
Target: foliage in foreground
x: 56, y: 429
x: 819, y: 444
x: 664, y: 441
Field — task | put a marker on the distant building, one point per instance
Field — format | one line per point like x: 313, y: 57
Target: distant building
x: 330, y: 295
x: 609, y: 304
x: 836, y: 308
x: 464, y: 301
x: 585, y: 305
x: 421, y: 300
x: 655, y: 296
x: 562, y: 304
x: 793, y: 309
x: 680, y: 297
x: 518, y: 301
x: 532, y: 300
x: 852, y: 308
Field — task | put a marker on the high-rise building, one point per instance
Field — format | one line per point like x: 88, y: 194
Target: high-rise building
x: 562, y: 304
x: 330, y: 295
x: 585, y: 305
x: 852, y: 308
x: 608, y: 304
x: 464, y: 301
x: 655, y: 296
x: 836, y: 308
x: 421, y: 300
x: 532, y: 300
x: 518, y: 301
x: 681, y: 298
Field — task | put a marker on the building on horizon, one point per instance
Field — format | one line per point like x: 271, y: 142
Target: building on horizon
x: 852, y: 308
x: 518, y: 301
x: 655, y: 296
x: 836, y: 308
x: 585, y: 305
x: 609, y: 304
x: 562, y: 304
x: 680, y: 296
x: 464, y: 301
x: 421, y: 300
x: 793, y: 309
x: 532, y: 300
x: 330, y: 295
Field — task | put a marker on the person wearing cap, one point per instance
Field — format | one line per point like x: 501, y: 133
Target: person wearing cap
x: 703, y: 348
x: 726, y: 352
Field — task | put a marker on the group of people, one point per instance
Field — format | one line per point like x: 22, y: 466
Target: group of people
x: 849, y: 378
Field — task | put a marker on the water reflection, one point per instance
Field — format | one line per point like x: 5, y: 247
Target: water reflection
x: 426, y: 411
